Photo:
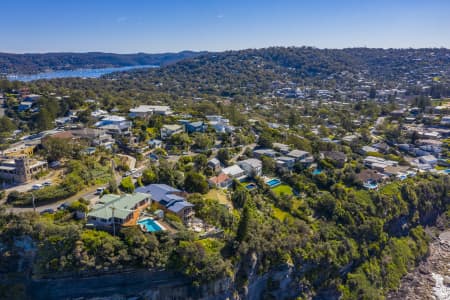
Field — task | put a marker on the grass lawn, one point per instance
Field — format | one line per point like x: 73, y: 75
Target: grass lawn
x: 280, y: 214
x: 220, y: 196
x: 283, y: 189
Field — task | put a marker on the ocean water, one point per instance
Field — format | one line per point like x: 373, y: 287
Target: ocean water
x: 83, y: 73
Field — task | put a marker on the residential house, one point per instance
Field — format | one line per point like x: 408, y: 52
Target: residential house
x: 252, y: 167
x: 282, y: 148
x: 169, y: 199
x: 378, y: 163
x: 265, y: 152
x: 368, y: 149
x: 220, y: 181
x: 285, y: 162
x: 155, y: 143
x: 28, y: 101
x: 298, y: 154
x: 445, y: 121
x: 115, y: 125
x: 382, y: 147
x: 214, y: 164
x: 368, y: 175
x: 429, y: 160
x: 21, y: 169
x: 191, y: 127
x: 338, y: 158
x: 168, y: 130
x: 118, y: 210
x: 220, y: 124
x: 144, y: 111
x: 234, y: 172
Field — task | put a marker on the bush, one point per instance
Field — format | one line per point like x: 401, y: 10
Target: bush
x: 127, y: 185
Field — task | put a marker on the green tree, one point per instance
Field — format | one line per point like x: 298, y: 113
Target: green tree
x: 127, y: 185
x: 196, y: 183
x: 43, y: 120
x: 242, y: 230
x: 149, y: 176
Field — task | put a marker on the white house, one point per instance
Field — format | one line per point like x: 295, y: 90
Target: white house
x: 169, y: 130
x: 235, y: 172
x: 143, y: 111
x: 252, y: 166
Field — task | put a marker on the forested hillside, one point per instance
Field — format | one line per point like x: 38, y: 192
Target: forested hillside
x: 34, y: 63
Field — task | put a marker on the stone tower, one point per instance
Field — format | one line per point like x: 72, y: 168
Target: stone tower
x: 22, y: 169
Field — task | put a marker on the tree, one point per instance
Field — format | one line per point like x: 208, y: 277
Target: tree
x: 57, y: 148
x: 223, y: 155
x: 196, y: 183
x: 265, y: 140
x: 6, y: 125
x: 149, y: 176
x: 127, y: 185
x: 268, y: 165
x: 202, y: 141
x: 240, y: 196
x: 112, y: 186
x: 242, y: 230
x: 43, y: 120
x: 200, y: 162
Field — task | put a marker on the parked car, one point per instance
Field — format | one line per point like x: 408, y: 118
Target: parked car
x: 99, y: 191
x: 47, y: 183
x: 36, y: 187
x: 48, y: 211
x: 63, y: 206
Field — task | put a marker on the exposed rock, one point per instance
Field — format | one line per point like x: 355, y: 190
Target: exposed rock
x: 431, y: 279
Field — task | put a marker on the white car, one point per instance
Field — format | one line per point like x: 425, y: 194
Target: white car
x: 36, y: 187
x: 47, y: 183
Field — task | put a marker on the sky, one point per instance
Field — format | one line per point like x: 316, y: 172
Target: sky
x: 154, y: 26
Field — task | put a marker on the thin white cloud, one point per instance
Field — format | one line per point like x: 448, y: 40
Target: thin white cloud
x: 121, y: 19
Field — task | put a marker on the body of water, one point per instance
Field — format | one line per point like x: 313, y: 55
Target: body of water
x: 83, y: 73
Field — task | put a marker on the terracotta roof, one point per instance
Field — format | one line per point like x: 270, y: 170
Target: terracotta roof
x: 222, y: 177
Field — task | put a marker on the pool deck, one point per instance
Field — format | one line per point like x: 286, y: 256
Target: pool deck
x: 136, y: 215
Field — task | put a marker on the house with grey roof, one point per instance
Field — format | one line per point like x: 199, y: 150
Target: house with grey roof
x: 251, y: 166
x: 169, y: 199
x: 170, y: 129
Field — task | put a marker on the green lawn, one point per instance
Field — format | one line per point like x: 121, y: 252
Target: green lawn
x: 283, y: 189
x: 280, y: 214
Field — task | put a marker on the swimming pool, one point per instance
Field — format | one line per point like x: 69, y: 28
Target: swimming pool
x: 150, y: 225
x: 273, y: 182
x: 317, y: 171
x: 371, y: 185
x: 250, y: 186
x: 447, y: 171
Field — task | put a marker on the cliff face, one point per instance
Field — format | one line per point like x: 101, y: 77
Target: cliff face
x: 160, y: 285
x: 431, y: 279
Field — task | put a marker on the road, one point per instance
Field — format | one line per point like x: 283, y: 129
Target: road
x: 90, y: 193
x: 250, y: 146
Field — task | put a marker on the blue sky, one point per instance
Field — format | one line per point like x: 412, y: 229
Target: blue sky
x: 128, y: 26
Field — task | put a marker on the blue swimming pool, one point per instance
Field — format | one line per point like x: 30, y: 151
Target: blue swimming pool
x: 447, y: 171
x: 273, y: 182
x: 371, y: 185
x: 250, y: 186
x: 317, y: 171
x: 150, y: 225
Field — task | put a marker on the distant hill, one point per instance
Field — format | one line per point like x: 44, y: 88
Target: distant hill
x: 35, y: 63
x: 254, y: 70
